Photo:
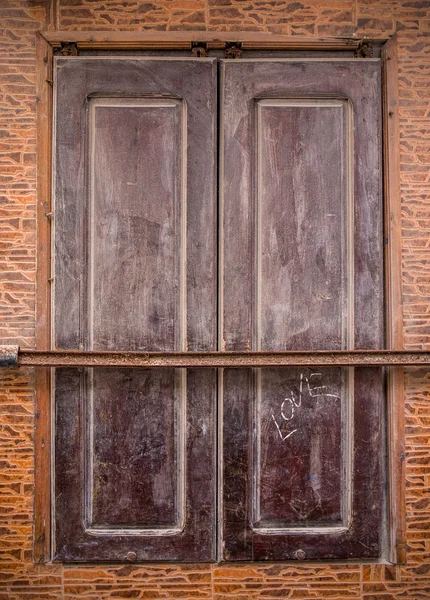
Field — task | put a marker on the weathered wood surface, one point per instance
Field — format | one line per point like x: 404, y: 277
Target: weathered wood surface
x: 302, y: 224
x: 42, y: 433
x: 302, y: 268
x: 394, y: 303
x: 137, y: 224
x: 183, y: 39
x: 135, y: 269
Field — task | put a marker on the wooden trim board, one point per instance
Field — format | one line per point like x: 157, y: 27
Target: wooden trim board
x: 394, y: 306
x: 42, y: 490
x: 114, y: 40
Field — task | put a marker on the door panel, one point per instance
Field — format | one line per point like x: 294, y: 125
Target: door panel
x: 303, y: 246
x: 138, y: 250
x: 136, y: 302
x: 301, y: 270
x: 135, y: 269
x: 300, y: 458
x: 136, y: 450
x: 303, y: 296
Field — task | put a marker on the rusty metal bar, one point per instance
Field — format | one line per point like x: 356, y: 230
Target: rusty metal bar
x: 354, y: 358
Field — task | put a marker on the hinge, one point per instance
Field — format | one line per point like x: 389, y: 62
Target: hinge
x: 68, y: 49
x: 199, y: 49
x: 364, y: 49
x: 233, y: 50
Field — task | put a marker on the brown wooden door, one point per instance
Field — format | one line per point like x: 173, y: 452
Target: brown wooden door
x: 135, y: 269
x: 301, y: 270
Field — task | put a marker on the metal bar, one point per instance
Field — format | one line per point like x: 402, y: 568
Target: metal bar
x: 354, y: 358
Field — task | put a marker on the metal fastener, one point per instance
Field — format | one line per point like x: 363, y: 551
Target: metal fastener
x: 9, y: 356
x: 300, y: 554
x: 131, y: 556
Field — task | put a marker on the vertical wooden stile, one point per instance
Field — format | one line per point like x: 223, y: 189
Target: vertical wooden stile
x: 42, y: 500
x: 394, y: 309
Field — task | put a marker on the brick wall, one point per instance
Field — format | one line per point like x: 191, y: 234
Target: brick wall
x: 19, y: 19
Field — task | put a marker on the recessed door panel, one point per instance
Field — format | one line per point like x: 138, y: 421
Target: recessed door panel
x: 303, y: 231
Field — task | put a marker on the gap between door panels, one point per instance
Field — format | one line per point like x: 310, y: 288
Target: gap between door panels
x: 218, y: 304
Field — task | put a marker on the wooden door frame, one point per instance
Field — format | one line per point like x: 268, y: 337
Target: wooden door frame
x: 46, y: 43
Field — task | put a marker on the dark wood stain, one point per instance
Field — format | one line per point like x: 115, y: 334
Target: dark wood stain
x: 136, y: 269
x: 287, y: 281
x: 302, y: 212
x: 136, y: 449
x: 136, y: 226
x: 135, y: 243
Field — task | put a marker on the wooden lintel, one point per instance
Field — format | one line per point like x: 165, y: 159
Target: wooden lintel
x: 110, y: 40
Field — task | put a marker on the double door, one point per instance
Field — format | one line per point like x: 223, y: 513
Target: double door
x: 232, y: 205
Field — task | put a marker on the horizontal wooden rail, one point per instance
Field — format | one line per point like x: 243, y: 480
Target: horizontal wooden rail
x: 100, y: 40
x: 13, y: 356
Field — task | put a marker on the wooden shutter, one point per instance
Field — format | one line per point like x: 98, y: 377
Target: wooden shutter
x: 301, y: 248
x: 135, y: 269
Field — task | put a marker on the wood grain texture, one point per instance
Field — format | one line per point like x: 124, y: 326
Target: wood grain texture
x: 136, y: 455
x: 394, y: 302
x: 135, y: 242
x: 304, y: 225
x: 137, y: 252
x: 306, y: 260
x: 302, y: 254
x: 42, y: 496
x: 183, y: 39
x: 301, y: 453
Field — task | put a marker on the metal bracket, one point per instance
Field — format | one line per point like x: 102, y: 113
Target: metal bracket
x: 364, y: 49
x: 199, y: 49
x: 233, y: 50
x: 9, y: 356
x: 69, y: 49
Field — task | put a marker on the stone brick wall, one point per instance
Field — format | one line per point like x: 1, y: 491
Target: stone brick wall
x: 19, y: 19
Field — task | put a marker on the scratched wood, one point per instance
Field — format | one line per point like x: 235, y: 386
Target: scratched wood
x: 135, y: 269
x: 302, y: 243
x: 301, y: 449
x: 302, y: 297
x: 136, y: 302
x: 302, y: 269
